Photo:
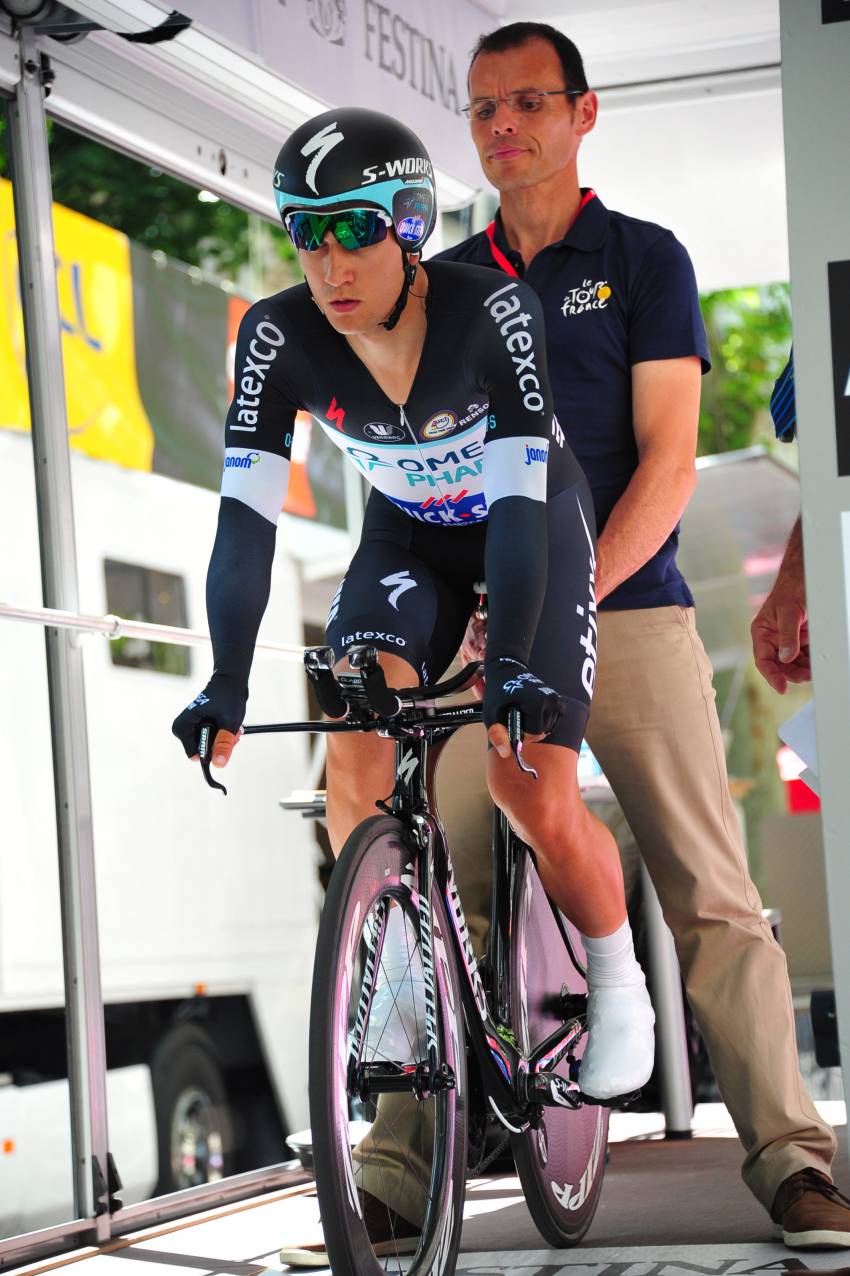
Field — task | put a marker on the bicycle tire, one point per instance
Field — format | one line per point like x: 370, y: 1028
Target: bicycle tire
x: 377, y: 864
x: 561, y: 1164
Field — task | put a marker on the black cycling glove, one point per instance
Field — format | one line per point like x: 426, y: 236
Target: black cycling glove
x: 509, y: 684
x: 222, y: 702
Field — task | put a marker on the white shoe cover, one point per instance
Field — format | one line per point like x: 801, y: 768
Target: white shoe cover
x: 396, y: 1029
x: 620, y: 1048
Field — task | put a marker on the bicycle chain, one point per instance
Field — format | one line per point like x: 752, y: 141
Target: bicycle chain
x: 487, y: 1161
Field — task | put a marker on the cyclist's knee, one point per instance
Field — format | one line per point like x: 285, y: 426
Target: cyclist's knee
x: 547, y: 813
x: 356, y: 762
x: 360, y: 765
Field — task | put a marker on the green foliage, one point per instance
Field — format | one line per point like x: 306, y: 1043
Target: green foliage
x: 749, y: 336
x: 148, y: 206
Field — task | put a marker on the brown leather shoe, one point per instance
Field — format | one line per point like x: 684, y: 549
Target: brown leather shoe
x: 812, y: 1212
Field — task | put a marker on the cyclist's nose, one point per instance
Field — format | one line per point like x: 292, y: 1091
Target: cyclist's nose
x: 339, y: 268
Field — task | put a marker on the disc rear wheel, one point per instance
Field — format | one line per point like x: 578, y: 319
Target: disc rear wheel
x: 561, y: 1163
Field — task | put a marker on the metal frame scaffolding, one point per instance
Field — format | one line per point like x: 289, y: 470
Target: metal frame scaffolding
x: 210, y: 136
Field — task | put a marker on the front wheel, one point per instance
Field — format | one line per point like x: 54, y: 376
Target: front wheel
x: 396, y: 1199
x: 561, y: 1163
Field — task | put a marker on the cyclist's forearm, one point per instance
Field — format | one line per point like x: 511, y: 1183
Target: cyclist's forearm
x: 515, y: 566
x: 238, y: 584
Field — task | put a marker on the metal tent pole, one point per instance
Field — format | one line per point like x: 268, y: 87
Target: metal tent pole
x: 84, y: 1005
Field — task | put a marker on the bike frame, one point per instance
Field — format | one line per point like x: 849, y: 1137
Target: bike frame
x: 515, y: 1084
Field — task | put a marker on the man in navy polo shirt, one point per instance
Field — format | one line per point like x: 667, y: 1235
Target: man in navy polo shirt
x: 626, y: 348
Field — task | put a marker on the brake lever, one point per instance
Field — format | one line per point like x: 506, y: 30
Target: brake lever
x: 205, y: 743
x: 515, y: 737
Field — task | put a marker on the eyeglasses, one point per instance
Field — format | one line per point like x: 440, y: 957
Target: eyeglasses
x: 354, y: 228
x: 520, y: 101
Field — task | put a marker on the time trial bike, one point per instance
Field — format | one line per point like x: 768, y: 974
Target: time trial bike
x: 432, y: 1049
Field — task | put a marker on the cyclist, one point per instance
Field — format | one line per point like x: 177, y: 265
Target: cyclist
x: 432, y: 380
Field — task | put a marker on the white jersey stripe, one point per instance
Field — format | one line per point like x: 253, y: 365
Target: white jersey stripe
x: 515, y: 467
x: 257, y: 479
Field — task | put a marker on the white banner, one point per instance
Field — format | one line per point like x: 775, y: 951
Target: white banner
x: 406, y: 58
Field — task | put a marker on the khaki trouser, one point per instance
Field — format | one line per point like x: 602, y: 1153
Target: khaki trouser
x: 654, y: 728
x: 655, y: 731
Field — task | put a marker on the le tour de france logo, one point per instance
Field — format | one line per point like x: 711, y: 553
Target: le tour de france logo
x: 328, y: 19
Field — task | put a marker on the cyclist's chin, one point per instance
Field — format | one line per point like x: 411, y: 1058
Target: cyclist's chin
x: 350, y: 319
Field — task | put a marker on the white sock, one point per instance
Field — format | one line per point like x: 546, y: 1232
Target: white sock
x: 611, y: 961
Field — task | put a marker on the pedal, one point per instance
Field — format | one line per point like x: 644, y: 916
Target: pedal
x: 619, y: 1102
x: 564, y: 1005
x: 552, y: 1091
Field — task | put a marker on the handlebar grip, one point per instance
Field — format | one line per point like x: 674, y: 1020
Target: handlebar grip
x: 319, y: 663
x: 382, y: 700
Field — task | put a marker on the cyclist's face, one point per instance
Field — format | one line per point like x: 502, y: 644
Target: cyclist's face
x: 519, y: 149
x: 355, y: 289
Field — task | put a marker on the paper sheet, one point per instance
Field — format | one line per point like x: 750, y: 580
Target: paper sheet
x: 798, y: 732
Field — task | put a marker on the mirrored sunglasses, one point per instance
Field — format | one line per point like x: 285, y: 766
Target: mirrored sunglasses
x: 354, y: 228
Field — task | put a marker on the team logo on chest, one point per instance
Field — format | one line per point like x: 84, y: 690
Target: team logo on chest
x: 442, y: 423
x: 588, y: 296
x: 385, y: 432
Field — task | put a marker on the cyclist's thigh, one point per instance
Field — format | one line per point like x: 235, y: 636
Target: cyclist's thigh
x: 564, y: 651
x: 392, y: 599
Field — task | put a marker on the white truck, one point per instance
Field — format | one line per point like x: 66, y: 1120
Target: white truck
x: 208, y: 906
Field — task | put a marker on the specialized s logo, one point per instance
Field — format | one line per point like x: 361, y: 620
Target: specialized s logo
x: 262, y: 353
x: 335, y: 414
x: 402, y: 583
x: 589, y: 296
x: 320, y: 145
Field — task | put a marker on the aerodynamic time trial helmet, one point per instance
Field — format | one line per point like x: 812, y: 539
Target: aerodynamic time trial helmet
x: 355, y: 158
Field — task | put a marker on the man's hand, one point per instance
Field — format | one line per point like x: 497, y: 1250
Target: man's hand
x: 221, y: 702
x: 781, y: 638
x: 780, y: 631
x: 509, y: 684
x: 473, y: 647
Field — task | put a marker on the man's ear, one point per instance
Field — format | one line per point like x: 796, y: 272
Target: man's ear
x: 586, y: 110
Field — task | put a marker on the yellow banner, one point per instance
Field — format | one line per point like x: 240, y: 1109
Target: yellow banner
x: 106, y: 417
